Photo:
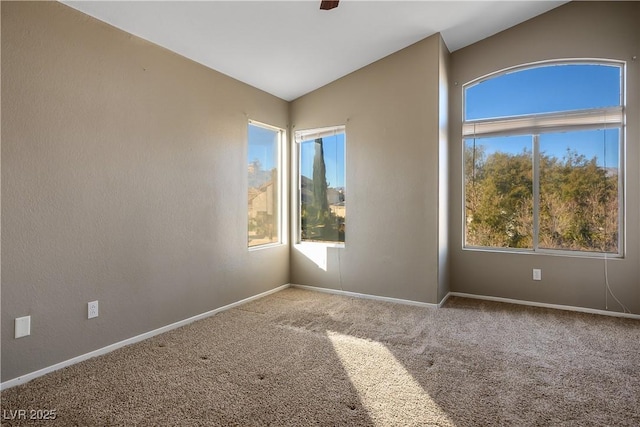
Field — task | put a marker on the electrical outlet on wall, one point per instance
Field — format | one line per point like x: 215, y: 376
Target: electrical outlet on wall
x: 93, y: 309
x: 537, y: 274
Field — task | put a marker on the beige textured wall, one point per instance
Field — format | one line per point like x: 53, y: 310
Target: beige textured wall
x: 390, y: 109
x: 123, y: 180
x: 576, y: 30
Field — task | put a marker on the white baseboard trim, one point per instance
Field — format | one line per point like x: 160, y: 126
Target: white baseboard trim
x: 446, y: 297
x: 365, y: 296
x: 104, y: 350
x: 545, y: 305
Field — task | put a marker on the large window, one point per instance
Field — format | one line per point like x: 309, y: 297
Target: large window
x: 543, y: 149
x: 321, y: 184
x: 264, y: 170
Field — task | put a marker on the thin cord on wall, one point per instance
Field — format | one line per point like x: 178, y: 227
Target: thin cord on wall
x: 607, y: 289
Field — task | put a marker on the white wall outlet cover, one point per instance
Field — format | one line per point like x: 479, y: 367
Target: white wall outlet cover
x: 92, y: 309
x: 537, y: 274
x: 23, y: 326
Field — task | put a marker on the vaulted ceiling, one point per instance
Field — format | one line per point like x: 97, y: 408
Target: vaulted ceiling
x: 289, y: 48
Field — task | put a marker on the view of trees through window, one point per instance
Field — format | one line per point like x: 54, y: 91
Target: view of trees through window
x: 322, y: 187
x: 264, y: 183
x: 578, y: 192
x: 499, y: 192
x: 556, y: 188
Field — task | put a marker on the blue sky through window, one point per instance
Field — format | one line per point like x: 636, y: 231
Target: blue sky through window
x: 263, y: 146
x: 334, y: 155
x: 550, y: 89
x: 601, y: 144
x: 544, y: 89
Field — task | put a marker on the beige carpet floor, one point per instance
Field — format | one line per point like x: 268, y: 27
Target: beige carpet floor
x: 298, y: 358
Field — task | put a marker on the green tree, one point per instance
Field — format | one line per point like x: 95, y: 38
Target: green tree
x: 578, y: 203
x: 320, y: 200
x: 317, y: 220
x: 499, y: 199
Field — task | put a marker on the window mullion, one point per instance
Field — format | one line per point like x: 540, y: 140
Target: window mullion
x: 545, y: 122
x: 536, y: 190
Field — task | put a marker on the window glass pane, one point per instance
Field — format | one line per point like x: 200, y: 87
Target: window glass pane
x: 579, y: 190
x: 544, y: 89
x: 322, y: 189
x: 498, y: 179
x: 263, y: 164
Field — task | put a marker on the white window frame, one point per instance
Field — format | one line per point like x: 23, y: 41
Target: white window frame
x: 541, y: 123
x: 281, y: 186
x: 298, y: 137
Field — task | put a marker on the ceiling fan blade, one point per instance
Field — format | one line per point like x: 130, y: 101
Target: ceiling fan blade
x: 328, y: 5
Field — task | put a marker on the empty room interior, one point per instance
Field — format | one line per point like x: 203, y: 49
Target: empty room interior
x: 266, y: 213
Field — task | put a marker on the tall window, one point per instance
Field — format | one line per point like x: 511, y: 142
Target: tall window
x: 321, y: 180
x: 264, y: 169
x: 543, y: 158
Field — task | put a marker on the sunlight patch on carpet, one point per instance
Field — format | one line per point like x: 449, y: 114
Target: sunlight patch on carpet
x: 386, y: 389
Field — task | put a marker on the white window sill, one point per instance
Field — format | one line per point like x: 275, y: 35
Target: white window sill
x: 265, y: 246
x: 545, y: 252
x: 323, y: 244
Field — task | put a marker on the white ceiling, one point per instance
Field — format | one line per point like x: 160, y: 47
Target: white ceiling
x: 289, y: 48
